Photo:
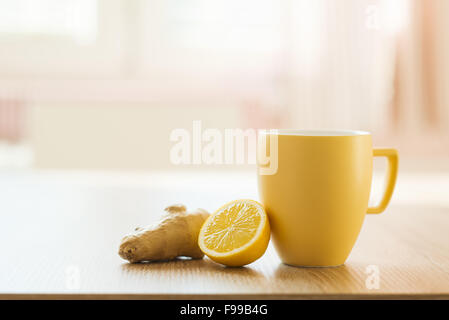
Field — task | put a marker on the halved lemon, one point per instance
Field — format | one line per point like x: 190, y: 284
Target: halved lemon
x: 236, y: 234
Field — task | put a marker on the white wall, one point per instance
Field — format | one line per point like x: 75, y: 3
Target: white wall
x: 116, y: 136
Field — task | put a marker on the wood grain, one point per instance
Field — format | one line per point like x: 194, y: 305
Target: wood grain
x: 59, y: 239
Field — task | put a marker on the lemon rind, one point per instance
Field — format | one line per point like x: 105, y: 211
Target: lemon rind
x: 260, y: 229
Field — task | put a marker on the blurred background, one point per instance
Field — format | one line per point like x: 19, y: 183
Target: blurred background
x: 96, y: 84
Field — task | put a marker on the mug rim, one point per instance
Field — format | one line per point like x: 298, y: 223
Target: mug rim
x: 314, y: 133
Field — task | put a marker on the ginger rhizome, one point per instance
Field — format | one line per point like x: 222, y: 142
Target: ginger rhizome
x: 174, y: 236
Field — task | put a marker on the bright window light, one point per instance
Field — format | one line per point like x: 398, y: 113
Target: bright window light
x: 77, y: 19
x: 396, y: 15
x: 252, y: 25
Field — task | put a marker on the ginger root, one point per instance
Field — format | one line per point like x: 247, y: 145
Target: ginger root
x: 174, y: 236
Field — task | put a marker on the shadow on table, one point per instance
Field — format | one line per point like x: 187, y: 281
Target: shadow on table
x: 201, y: 267
x: 310, y: 279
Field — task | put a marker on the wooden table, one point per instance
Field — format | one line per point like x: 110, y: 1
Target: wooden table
x: 59, y: 236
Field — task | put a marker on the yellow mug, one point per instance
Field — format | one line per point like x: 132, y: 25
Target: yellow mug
x: 317, y: 196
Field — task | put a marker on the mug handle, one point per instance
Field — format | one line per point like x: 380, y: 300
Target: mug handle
x: 393, y: 160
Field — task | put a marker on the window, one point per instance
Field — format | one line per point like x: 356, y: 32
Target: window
x: 76, y: 19
x: 251, y: 25
x: 54, y: 38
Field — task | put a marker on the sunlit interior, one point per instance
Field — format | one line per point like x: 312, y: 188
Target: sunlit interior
x: 75, y: 76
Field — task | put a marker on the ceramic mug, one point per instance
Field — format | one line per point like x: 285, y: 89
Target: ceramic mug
x: 317, y: 197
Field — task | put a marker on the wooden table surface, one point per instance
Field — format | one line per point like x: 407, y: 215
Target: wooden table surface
x: 59, y: 236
